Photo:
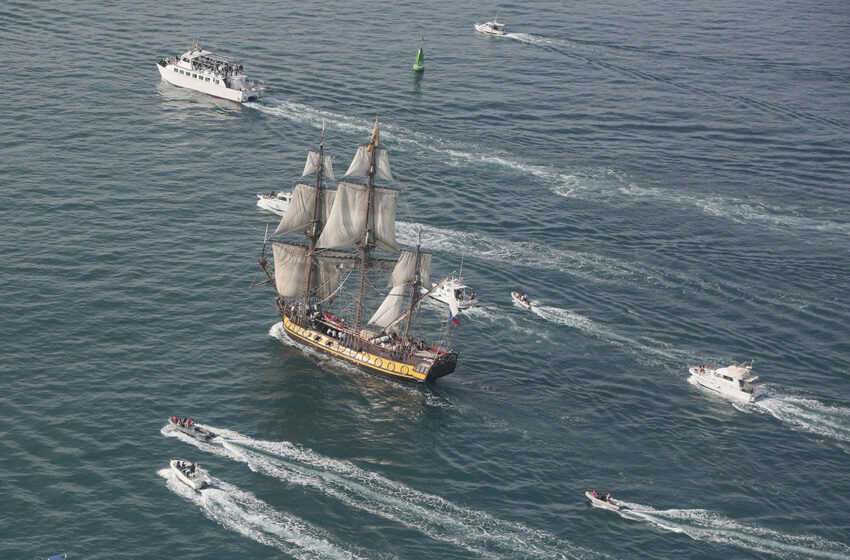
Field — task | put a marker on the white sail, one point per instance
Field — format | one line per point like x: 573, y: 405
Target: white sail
x: 312, y: 162
x: 289, y: 261
x: 299, y: 213
x: 347, y: 218
x: 384, y: 204
x: 360, y: 164
x: 404, y: 274
x: 382, y: 164
x: 453, y: 303
x: 390, y: 309
x: 328, y: 274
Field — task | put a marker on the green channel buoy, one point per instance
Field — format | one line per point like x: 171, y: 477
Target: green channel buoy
x: 419, y: 63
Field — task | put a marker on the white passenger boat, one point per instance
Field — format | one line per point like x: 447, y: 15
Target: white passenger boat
x: 490, y: 27
x: 276, y: 202
x: 190, y: 474
x: 452, y: 286
x: 188, y: 427
x: 521, y: 299
x: 602, y: 503
x: 207, y: 73
x: 734, y: 382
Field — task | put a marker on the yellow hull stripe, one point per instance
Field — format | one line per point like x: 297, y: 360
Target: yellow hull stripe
x: 331, y: 346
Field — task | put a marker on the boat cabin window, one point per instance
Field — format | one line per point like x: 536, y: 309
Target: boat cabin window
x: 727, y: 378
x: 175, y: 69
x: 194, y: 75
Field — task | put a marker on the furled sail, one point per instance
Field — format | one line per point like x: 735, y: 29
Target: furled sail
x: 347, y: 218
x: 404, y: 274
x: 299, y: 213
x: 289, y: 261
x: 390, y: 309
x: 360, y: 164
x: 313, y: 162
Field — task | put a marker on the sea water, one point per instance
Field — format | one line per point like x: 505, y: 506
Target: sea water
x: 667, y: 181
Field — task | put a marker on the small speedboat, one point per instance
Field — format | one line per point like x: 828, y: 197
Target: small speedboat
x: 610, y: 503
x: 188, y: 427
x: 274, y: 202
x: 443, y: 292
x: 490, y: 27
x: 190, y: 474
x: 521, y: 299
x: 734, y: 382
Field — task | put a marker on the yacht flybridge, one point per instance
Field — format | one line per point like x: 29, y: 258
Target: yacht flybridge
x: 734, y: 382
x: 207, y: 73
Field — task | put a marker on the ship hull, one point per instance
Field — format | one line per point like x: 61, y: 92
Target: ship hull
x: 372, y: 362
x: 174, y: 75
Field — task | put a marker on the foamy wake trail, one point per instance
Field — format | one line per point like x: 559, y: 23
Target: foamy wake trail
x: 741, y: 210
x: 246, y: 514
x: 567, y: 318
x: 810, y: 416
x: 453, y: 153
x: 475, y: 531
x: 574, y: 320
x: 524, y: 253
x: 590, y: 184
x: 710, y: 526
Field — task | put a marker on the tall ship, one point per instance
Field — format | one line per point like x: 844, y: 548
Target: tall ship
x: 349, y: 290
x: 207, y: 73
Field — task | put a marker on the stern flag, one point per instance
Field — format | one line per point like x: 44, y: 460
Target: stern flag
x: 453, y: 320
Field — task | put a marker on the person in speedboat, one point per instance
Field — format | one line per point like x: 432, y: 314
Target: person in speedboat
x: 605, y: 497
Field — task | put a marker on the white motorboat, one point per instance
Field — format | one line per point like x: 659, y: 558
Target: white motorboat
x: 207, y: 73
x: 490, y: 27
x: 521, y: 299
x: 274, y: 202
x: 602, y: 503
x: 734, y: 382
x: 449, y: 287
x: 188, y: 427
x: 190, y: 474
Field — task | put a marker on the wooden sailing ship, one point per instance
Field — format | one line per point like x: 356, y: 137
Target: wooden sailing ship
x: 348, y: 231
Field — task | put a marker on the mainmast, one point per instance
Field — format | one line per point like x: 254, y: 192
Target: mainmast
x: 314, y: 231
x: 366, y: 244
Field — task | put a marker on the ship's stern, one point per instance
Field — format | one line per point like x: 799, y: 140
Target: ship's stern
x: 443, y: 366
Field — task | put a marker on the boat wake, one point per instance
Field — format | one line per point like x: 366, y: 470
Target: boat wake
x: 809, y: 415
x: 574, y: 320
x: 472, y: 530
x: 588, y: 184
x: 246, y: 514
x: 569, y: 49
x: 740, y: 210
x: 703, y: 525
x: 524, y: 253
x: 567, y: 318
